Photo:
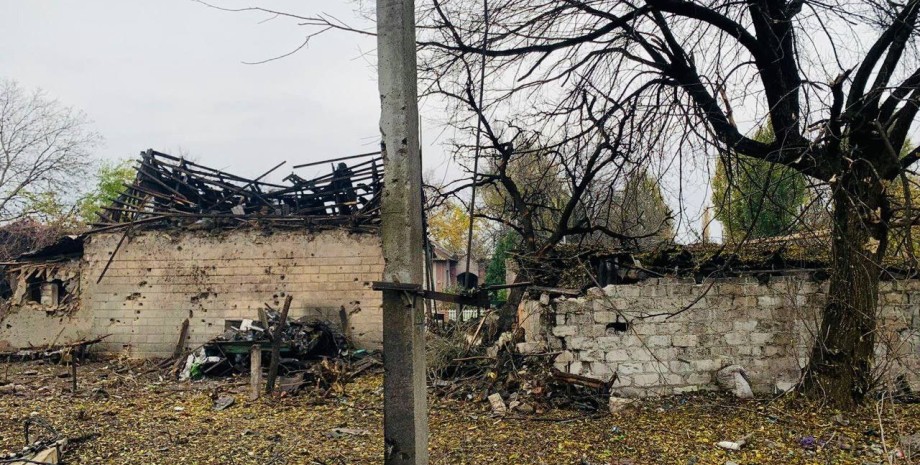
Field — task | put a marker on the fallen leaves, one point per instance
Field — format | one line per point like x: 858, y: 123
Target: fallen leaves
x: 138, y: 422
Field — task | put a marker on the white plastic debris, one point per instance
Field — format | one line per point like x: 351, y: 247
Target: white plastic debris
x: 734, y: 445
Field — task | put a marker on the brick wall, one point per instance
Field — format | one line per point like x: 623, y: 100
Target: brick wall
x: 160, y: 278
x: 665, y: 336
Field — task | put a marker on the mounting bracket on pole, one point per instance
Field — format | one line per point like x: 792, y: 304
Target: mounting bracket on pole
x: 479, y: 297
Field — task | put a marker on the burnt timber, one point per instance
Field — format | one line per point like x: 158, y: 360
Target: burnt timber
x: 170, y: 190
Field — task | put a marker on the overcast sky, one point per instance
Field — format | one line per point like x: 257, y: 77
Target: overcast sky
x: 169, y: 75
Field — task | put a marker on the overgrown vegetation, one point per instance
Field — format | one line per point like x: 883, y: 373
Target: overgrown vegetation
x: 754, y: 198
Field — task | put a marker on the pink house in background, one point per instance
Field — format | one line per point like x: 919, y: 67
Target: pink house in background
x: 449, y: 270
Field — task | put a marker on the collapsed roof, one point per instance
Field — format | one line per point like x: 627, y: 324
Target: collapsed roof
x: 169, y: 189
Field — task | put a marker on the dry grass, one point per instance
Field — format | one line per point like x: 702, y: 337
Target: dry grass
x: 138, y: 423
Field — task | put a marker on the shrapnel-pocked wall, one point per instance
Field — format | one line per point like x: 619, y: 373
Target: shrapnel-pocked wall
x: 669, y: 335
x: 158, y: 278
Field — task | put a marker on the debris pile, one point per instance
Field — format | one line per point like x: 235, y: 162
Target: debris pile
x: 510, y: 382
x: 54, y: 352
x: 309, y: 352
x: 45, y: 448
x: 170, y: 189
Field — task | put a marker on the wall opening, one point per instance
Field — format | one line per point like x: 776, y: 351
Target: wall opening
x: 467, y: 280
x: 34, y: 289
x: 618, y: 327
x: 6, y: 288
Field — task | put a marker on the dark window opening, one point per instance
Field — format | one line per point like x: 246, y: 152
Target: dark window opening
x: 467, y: 280
x: 6, y: 289
x: 618, y: 327
x: 34, y: 290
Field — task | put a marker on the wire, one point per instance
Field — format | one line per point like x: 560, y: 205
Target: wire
x: 480, y: 115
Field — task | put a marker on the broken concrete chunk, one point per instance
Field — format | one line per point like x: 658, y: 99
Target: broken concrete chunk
x: 12, y: 388
x: 732, y: 378
x: 223, y: 402
x: 617, y: 404
x: 498, y: 405
x: 544, y: 299
x: 781, y: 387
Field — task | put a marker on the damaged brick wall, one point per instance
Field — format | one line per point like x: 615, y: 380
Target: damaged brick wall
x: 37, y: 296
x: 159, y: 278
x: 638, y: 333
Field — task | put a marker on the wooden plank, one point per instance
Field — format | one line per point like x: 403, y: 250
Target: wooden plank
x: 556, y: 290
x: 183, y: 336
x: 276, y: 346
x: 255, y: 371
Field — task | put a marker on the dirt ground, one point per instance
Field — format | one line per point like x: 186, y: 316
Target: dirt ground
x: 141, y: 418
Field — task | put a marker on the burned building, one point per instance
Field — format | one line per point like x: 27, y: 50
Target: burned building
x: 185, y: 242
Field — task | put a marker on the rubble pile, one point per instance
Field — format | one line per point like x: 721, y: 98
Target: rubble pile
x: 497, y: 374
x: 311, y: 352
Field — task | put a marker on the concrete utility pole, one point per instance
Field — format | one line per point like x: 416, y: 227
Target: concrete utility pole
x: 405, y: 421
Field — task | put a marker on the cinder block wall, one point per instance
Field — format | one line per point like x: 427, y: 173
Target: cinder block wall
x: 160, y: 278
x: 666, y: 336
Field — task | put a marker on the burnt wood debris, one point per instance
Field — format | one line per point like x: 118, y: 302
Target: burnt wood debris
x: 170, y: 189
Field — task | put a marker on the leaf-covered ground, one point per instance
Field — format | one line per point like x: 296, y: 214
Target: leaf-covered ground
x: 141, y: 419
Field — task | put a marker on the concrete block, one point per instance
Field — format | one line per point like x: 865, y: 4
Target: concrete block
x: 699, y: 378
x: 639, y: 354
x: 576, y: 368
x: 747, y: 325
x: 685, y: 340
x: 686, y: 389
x: 605, y: 316
x: 647, y: 379
x: 591, y: 356
x: 617, y: 355
x: 531, y: 347
x: 737, y: 338
x: 759, y: 339
x: 563, y: 331
x: 706, y: 365
x: 630, y: 368
x: 565, y: 357
x: 601, y: 370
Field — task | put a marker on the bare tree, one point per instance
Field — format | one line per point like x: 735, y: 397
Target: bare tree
x: 549, y: 175
x: 841, y: 109
x: 44, y: 147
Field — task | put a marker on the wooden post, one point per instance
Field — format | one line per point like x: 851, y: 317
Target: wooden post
x: 183, y: 336
x: 255, y: 371
x: 276, y: 347
x: 73, y: 373
x: 405, y: 421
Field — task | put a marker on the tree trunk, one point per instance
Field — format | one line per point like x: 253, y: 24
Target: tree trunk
x: 839, y: 371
